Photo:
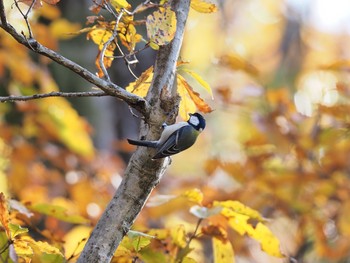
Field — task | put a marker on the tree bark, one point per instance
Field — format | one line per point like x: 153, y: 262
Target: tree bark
x: 142, y: 173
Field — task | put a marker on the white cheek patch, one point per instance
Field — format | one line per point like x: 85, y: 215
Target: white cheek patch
x: 194, y: 120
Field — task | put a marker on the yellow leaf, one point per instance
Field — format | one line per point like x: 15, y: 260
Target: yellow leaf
x: 4, y: 214
x: 161, y: 26
x: 75, y: 240
x: 179, y: 236
x: 222, y: 251
x: 268, y: 241
x: 203, y: 6
x: 99, y: 36
x: 237, y: 207
x: 22, y: 248
x: 194, y: 195
x: 190, y: 98
x: 118, y: 4
x: 141, y: 85
x: 62, y: 28
x: 201, y: 81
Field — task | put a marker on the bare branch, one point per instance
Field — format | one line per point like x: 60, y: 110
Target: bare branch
x: 12, y: 98
x: 108, y: 87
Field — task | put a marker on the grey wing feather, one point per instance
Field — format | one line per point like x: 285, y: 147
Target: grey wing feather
x: 178, y: 141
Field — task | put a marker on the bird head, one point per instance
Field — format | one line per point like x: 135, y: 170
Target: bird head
x: 197, y: 121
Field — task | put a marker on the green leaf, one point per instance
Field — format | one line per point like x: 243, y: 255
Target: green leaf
x: 17, y: 230
x: 58, y: 212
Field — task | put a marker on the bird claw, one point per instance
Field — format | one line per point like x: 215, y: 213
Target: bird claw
x: 164, y: 125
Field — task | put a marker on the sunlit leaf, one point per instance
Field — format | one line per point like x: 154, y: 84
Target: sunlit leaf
x: 194, y: 195
x: 58, y: 212
x: 99, y: 36
x: 188, y: 260
x: 62, y: 28
x: 14, y: 204
x: 17, y: 230
x: 75, y: 239
x: 161, y: 26
x: 23, y: 248
x: 200, y: 80
x: 178, y: 235
x: 141, y: 85
x: 4, y: 214
x: 140, y: 242
x: 268, y: 241
x: 118, y: 4
x: 222, y: 251
x: 235, y: 62
x: 230, y: 208
x: 190, y: 100
x: 203, y: 6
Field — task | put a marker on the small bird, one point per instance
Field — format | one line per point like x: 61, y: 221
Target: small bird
x: 175, y: 138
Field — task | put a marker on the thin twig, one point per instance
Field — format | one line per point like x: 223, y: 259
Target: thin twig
x: 12, y: 98
x: 108, y: 42
x: 25, y: 16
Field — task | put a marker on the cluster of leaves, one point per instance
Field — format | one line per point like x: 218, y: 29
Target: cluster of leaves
x: 160, y: 25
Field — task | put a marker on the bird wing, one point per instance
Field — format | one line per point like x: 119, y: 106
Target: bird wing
x: 178, y: 141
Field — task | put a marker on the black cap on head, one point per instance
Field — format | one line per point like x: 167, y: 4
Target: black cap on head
x: 197, y: 121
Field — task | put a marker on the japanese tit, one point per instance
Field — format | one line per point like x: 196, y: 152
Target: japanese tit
x: 175, y: 138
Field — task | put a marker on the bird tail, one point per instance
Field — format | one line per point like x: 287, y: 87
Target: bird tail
x: 152, y: 144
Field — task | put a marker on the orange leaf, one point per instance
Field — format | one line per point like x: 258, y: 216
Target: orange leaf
x: 237, y: 63
x: 195, y: 97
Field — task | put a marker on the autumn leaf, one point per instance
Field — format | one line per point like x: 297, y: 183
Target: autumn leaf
x: 236, y: 62
x: 194, y: 195
x: 178, y: 235
x: 231, y: 208
x: 200, y: 80
x: 215, y: 231
x: 203, y: 7
x: 190, y: 100
x: 222, y: 251
x: 4, y: 214
x: 17, y: 230
x: 161, y: 27
x: 118, y: 4
x: 141, y: 85
x: 58, y: 212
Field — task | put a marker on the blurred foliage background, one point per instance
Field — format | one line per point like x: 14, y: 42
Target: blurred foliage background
x: 277, y: 140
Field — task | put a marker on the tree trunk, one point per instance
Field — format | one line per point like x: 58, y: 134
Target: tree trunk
x: 142, y: 173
